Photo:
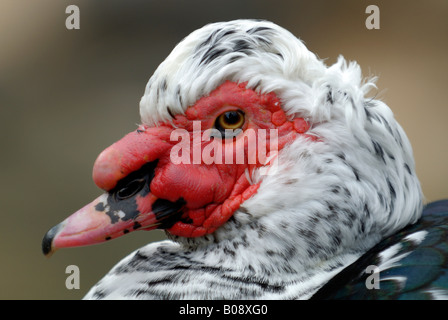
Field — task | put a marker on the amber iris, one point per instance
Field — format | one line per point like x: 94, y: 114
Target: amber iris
x: 230, y: 120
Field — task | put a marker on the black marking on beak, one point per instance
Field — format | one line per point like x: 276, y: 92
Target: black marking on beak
x: 47, y: 241
x: 136, y: 225
x: 121, y: 201
x: 122, y: 205
x: 168, y: 212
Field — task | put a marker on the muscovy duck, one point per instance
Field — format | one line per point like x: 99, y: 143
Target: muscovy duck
x: 274, y: 176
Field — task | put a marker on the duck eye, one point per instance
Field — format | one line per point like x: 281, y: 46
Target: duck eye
x: 230, y: 120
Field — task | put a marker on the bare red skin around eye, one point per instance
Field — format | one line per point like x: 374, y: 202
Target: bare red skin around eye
x: 212, y: 192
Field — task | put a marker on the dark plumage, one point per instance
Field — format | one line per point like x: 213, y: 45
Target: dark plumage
x: 421, y: 273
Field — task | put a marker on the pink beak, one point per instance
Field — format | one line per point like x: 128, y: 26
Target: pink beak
x: 125, y: 170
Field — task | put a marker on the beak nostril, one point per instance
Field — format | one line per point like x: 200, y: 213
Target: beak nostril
x: 131, y: 185
x: 130, y: 190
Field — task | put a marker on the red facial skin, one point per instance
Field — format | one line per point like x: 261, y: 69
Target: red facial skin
x: 212, y: 192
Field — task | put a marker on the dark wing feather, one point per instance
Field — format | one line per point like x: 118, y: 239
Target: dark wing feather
x: 419, y: 272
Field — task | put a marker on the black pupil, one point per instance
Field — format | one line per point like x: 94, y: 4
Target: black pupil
x: 130, y: 189
x: 232, y: 117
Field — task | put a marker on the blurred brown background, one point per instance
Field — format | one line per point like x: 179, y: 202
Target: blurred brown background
x: 65, y: 95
